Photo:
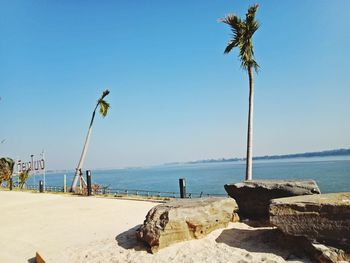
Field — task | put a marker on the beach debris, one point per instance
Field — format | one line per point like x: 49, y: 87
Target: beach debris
x: 253, y: 197
x: 39, y: 258
x: 324, y: 218
x: 186, y: 219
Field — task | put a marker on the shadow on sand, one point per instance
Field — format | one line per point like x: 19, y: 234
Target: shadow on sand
x: 262, y: 240
x: 128, y: 240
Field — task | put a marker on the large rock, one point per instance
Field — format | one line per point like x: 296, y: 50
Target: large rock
x: 324, y: 218
x: 186, y: 219
x: 323, y: 254
x: 253, y: 197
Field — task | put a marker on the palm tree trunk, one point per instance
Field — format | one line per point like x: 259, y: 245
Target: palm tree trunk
x: 249, y: 159
x: 83, y: 154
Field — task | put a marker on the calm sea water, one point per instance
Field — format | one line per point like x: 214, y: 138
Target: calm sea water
x: 332, y: 174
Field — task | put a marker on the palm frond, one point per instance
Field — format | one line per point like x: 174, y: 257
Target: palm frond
x: 231, y: 44
x: 250, y: 16
x: 232, y: 20
x: 104, y: 106
x: 251, y: 23
x: 236, y: 27
x: 243, y: 31
x: 104, y: 94
x: 255, y: 66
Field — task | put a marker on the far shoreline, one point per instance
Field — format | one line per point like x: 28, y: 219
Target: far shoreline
x: 336, y: 155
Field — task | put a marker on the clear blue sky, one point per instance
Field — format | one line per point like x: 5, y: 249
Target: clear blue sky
x: 174, y: 95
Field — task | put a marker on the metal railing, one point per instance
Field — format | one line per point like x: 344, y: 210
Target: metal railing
x: 149, y: 193
x: 131, y: 192
x: 47, y: 188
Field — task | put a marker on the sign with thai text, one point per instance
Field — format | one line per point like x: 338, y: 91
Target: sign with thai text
x: 32, y: 165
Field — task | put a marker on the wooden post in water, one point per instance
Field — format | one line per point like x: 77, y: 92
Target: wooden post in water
x: 182, y: 184
x: 88, y: 182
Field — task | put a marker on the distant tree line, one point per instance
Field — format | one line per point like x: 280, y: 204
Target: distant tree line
x: 337, y: 152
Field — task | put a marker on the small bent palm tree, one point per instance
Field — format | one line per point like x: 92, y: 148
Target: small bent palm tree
x: 23, y: 176
x: 104, y: 106
x: 242, y: 38
x: 6, y: 170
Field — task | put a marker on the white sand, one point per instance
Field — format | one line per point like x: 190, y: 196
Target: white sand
x: 82, y: 229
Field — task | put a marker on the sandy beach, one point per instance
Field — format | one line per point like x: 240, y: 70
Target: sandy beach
x: 66, y: 228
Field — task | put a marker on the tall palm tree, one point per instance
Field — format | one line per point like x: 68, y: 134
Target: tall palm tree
x: 104, y: 106
x: 242, y: 38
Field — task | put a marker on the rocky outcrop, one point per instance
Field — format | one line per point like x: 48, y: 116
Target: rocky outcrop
x: 253, y: 197
x: 185, y: 219
x: 324, y: 218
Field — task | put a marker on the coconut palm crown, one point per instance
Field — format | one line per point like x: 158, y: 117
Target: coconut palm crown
x: 104, y: 105
x: 243, y: 31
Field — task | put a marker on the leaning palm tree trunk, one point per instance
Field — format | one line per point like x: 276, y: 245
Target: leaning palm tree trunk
x: 83, y: 153
x: 249, y: 160
x: 104, y: 106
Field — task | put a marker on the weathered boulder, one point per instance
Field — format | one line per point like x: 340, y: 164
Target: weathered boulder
x: 253, y: 197
x: 323, y: 254
x: 324, y: 218
x: 186, y: 219
x: 302, y: 246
